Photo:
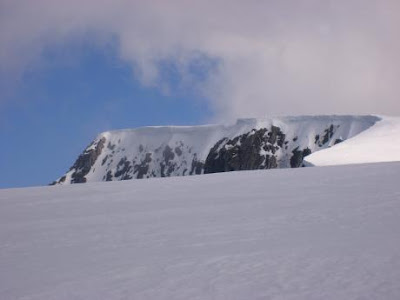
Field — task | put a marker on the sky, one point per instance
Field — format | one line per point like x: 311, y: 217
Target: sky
x: 71, y: 69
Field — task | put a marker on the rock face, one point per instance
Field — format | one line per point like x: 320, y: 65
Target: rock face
x: 297, y: 158
x: 256, y: 149
x: 180, y: 151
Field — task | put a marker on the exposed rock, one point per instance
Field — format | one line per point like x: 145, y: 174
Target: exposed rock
x: 197, y: 166
x: 142, y: 169
x: 85, y: 161
x: 276, y: 136
x: 250, y: 151
x: 104, y: 160
x: 110, y: 146
x: 109, y: 176
x: 297, y: 158
x: 338, y: 141
x: 316, y: 139
x: 123, y: 169
x: 270, y: 162
x: 167, y: 167
x: 321, y: 140
x: 168, y: 154
x: 61, y: 180
x: 328, y: 134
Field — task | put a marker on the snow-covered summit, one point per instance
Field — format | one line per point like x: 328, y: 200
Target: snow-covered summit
x: 248, y: 144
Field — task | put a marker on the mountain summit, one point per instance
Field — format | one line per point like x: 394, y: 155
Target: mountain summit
x: 249, y: 144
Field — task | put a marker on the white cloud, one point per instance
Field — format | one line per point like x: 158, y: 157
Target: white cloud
x: 276, y: 57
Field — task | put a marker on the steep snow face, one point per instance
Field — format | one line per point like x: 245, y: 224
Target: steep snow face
x: 380, y: 143
x: 310, y: 233
x: 178, y: 151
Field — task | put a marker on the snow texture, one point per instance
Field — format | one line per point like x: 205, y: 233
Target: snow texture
x: 309, y: 233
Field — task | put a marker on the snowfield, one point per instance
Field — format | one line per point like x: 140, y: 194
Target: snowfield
x: 379, y: 143
x: 309, y: 233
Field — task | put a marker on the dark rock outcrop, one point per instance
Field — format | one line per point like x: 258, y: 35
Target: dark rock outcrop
x: 123, y: 168
x: 323, y: 139
x: 197, y: 166
x: 297, y: 158
x: 167, y: 166
x: 86, y: 160
x: 141, y: 169
x: 253, y: 150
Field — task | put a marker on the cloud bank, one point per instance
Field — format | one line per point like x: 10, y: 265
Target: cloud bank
x: 273, y: 57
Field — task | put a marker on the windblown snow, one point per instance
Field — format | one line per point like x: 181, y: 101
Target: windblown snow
x: 309, y: 233
x: 247, y: 145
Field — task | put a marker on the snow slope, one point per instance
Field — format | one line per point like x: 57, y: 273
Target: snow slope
x: 309, y: 233
x: 379, y: 143
x: 178, y: 151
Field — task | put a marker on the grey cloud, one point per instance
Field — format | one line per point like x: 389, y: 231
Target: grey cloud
x: 276, y: 57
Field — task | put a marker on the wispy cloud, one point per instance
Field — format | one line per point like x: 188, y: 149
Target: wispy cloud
x: 274, y: 57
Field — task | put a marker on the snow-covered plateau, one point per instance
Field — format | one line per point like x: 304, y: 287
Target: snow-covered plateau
x: 307, y: 233
x: 249, y: 144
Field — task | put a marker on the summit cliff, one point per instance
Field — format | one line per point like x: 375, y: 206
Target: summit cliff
x: 248, y: 144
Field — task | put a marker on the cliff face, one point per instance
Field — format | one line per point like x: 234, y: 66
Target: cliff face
x: 179, y: 151
x: 257, y: 149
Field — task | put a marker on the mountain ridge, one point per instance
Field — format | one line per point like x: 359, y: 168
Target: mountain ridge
x: 248, y: 144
